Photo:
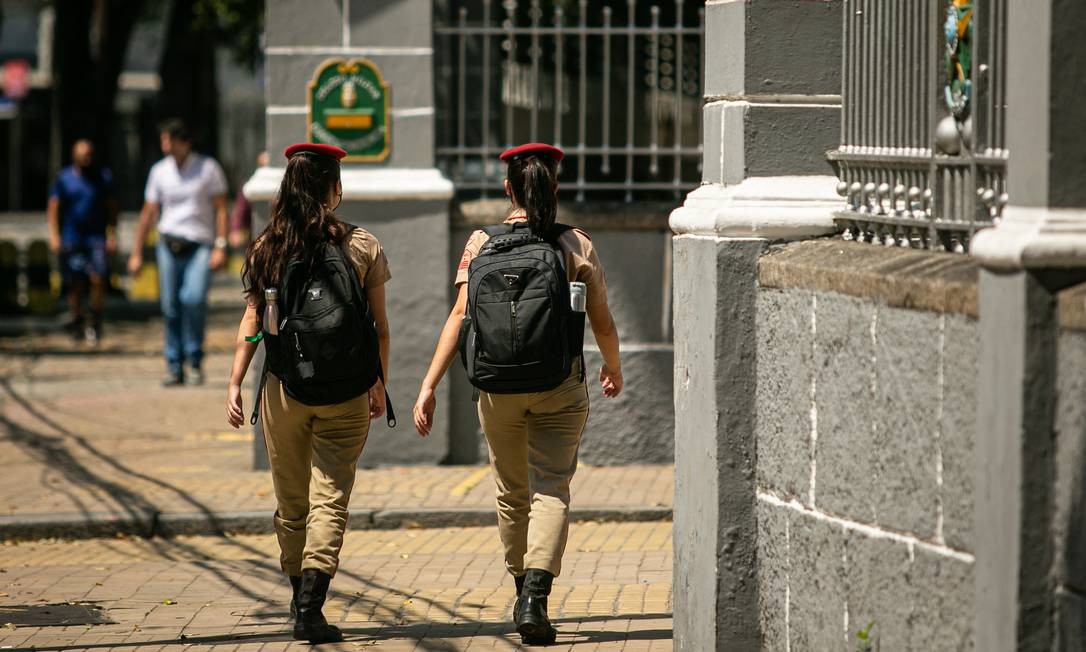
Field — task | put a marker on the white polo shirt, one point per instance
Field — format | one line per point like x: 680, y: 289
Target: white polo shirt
x: 184, y: 195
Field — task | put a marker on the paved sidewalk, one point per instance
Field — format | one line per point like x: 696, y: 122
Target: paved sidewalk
x: 437, y: 589
x: 93, y: 446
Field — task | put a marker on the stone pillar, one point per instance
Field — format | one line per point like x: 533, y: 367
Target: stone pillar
x: 772, y: 111
x: 1027, y: 595
x: 403, y: 200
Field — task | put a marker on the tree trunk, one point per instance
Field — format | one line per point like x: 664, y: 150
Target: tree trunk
x: 73, y: 82
x: 189, y: 89
x: 117, y: 25
x: 85, y: 77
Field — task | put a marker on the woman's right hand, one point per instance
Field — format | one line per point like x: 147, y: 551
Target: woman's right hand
x: 611, y: 381
x: 234, y: 413
x: 424, y: 411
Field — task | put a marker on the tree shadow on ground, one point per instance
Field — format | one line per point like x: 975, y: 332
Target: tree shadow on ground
x: 428, y: 635
x: 55, y: 451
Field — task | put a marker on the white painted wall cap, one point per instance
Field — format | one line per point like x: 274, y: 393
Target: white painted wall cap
x: 364, y: 184
x: 775, y: 208
x: 1033, y: 237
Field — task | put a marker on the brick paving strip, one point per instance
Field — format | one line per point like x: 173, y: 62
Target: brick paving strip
x: 433, y: 589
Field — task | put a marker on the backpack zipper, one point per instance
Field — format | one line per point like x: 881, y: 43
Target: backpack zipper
x: 513, y: 316
x: 298, y: 347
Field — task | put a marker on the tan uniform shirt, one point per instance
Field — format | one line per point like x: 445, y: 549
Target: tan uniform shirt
x: 582, y: 262
x: 369, y: 259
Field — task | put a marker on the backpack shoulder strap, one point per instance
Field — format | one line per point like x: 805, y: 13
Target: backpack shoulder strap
x: 352, y: 276
x: 552, y: 239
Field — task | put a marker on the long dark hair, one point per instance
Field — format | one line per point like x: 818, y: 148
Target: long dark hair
x: 300, y: 223
x: 534, y: 181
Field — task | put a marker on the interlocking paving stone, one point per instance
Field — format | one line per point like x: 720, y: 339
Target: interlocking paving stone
x: 437, y: 589
x: 93, y: 446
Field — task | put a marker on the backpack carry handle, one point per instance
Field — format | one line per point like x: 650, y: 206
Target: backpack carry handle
x: 390, y: 413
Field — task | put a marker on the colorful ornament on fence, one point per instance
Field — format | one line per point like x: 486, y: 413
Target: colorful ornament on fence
x: 958, y: 31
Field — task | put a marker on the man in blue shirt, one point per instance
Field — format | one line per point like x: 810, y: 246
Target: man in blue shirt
x: 82, y: 215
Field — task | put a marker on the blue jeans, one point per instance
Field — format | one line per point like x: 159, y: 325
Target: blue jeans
x: 183, y: 282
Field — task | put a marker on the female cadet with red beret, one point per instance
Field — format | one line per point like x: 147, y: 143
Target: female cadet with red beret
x: 533, y: 436
x: 326, y: 343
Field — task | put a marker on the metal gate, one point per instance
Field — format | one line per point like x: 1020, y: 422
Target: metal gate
x: 922, y: 158
x: 617, y: 85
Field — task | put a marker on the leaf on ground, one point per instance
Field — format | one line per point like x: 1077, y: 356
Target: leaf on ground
x: 9, y: 625
x: 168, y: 602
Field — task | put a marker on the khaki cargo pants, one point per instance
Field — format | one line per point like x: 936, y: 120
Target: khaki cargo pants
x: 313, y: 453
x: 533, y: 441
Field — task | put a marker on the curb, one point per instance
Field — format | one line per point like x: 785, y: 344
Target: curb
x: 31, y: 527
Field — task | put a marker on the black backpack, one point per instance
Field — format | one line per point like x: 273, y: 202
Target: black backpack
x: 327, y: 348
x: 519, y: 333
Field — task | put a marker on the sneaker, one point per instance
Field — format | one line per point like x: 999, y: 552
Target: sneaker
x: 173, y: 380
x: 196, y: 377
x: 90, y: 334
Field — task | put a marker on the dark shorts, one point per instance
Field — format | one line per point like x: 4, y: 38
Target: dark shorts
x: 84, y: 259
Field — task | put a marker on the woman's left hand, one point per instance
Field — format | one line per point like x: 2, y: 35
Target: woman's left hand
x: 234, y: 414
x: 377, y: 399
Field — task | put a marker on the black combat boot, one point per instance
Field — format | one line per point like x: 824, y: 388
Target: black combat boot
x: 519, y: 581
x: 533, y: 625
x: 310, y: 624
x: 295, y: 584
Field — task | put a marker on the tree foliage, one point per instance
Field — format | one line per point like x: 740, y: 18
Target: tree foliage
x: 235, y: 24
x: 91, y: 41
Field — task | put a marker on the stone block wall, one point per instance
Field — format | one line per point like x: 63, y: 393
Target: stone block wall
x: 1070, y: 497
x: 866, y: 424
x: 865, y: 407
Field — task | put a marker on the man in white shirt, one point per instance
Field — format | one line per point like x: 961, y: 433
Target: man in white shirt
x: 186, y: 194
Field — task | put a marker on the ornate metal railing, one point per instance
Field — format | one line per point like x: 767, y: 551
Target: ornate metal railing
x: 617, y: 84
x: 922, y: 158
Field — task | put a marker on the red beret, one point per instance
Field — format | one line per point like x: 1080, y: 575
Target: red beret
x: 315, y: 148
x: 532, y: 149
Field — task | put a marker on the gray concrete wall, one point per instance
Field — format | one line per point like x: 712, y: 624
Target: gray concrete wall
x: 772, y: 88
x: 865, y: 431
x: 715, y: 533
x: 396, y: 36
x: 638, y: 426
x: 1070, y: 492
x: 416, y: 299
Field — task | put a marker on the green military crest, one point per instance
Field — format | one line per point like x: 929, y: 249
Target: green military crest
x: 349, y: 108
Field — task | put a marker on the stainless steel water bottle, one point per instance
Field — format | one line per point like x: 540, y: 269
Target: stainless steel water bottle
x: 271, y: 311
x: 578, y: 296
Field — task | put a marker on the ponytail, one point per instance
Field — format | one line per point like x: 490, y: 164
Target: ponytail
x: 534, y: 180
